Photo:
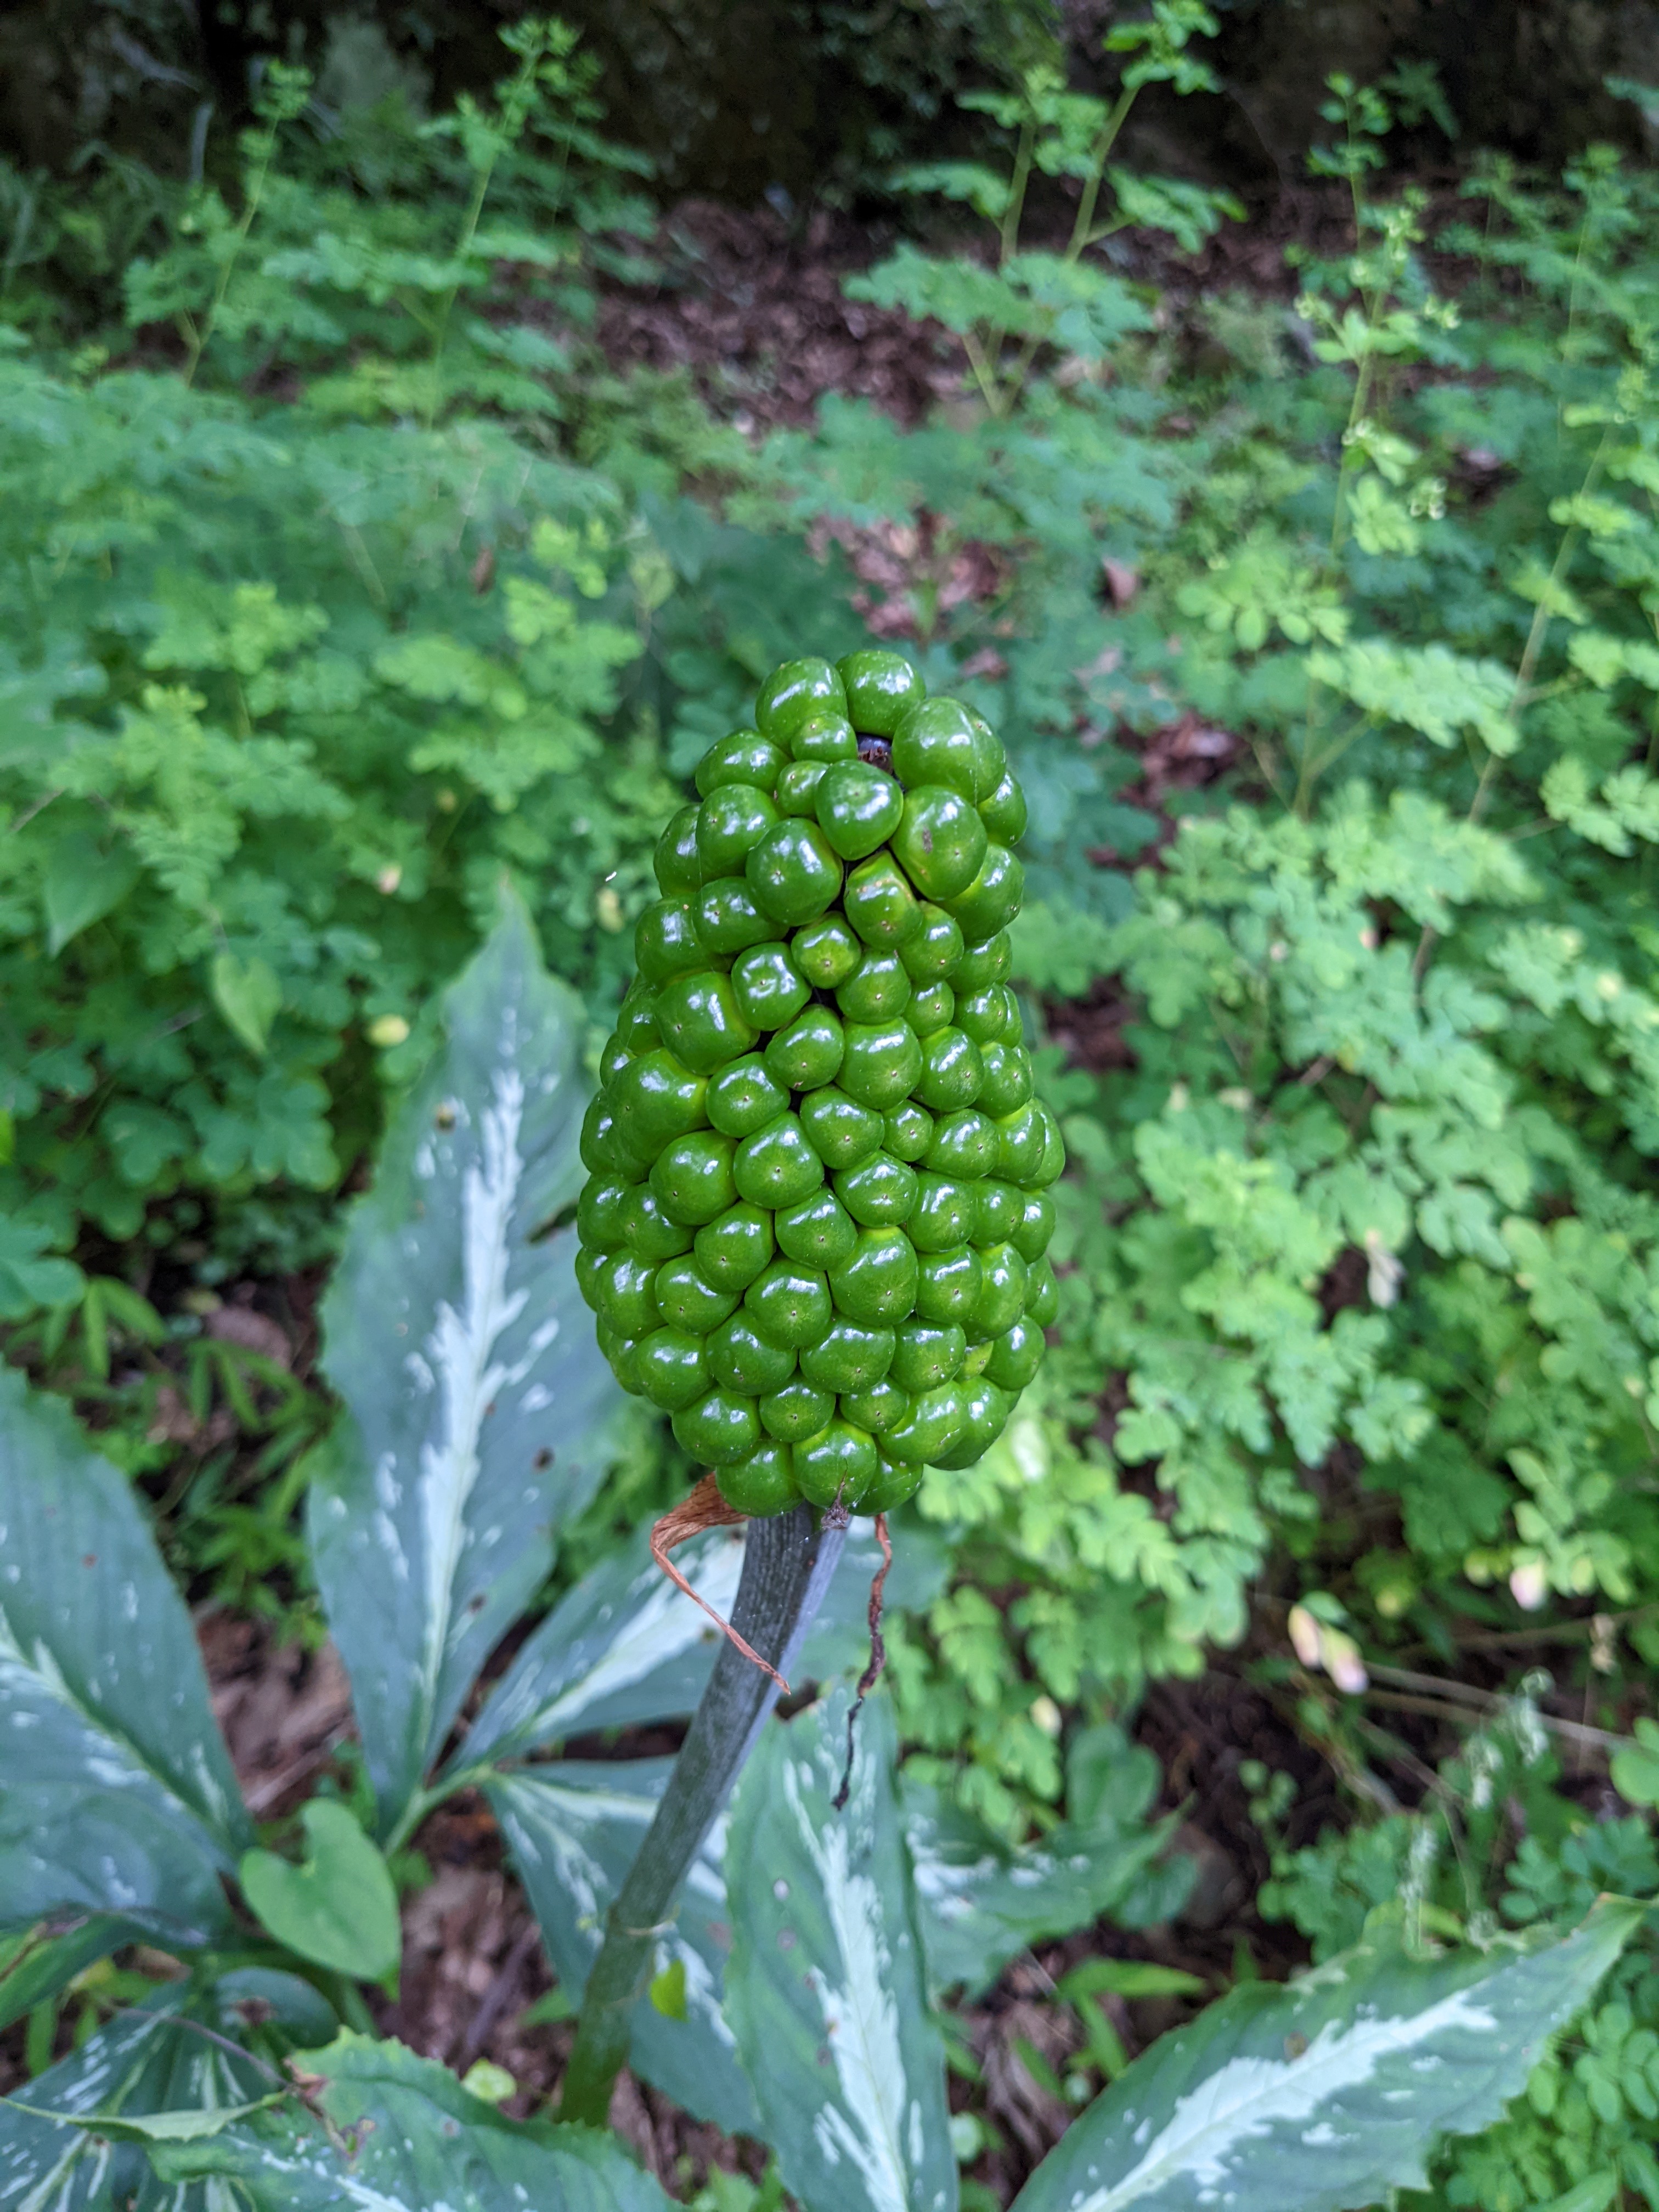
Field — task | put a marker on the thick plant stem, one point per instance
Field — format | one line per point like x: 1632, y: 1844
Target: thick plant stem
x: 786, y: 1565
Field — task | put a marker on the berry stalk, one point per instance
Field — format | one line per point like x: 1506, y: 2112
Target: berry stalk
x: 788, y: 1561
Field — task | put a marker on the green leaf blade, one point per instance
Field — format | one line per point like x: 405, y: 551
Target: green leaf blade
x: 117, y: 1792
x: 1329, y: 2092
x: 455, y: 1334
x: 338, y: 1909
x: 404, y: 2135
x: 824, y: 1989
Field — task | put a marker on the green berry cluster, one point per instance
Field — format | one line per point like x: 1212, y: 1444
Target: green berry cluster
x: 818, y: 1208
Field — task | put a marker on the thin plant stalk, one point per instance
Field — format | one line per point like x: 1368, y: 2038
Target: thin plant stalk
x: 1083, y: 230
x: 788, y: 1559
x: 514, y: 105
x: 284, y: 99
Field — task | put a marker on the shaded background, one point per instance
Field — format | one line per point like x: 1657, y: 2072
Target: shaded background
x: 810, y: 98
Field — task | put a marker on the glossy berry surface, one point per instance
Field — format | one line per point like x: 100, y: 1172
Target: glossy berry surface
x: 816, y: 1219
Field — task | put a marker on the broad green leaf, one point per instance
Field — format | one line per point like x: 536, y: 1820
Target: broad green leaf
x: 574, y: 1830
x: 152, y: 2071
x: 400, y: 2134
x: 454, y: 1332
x: 980, y: 1900
x: 249, y: 995
x: 338, y: 1909
x: 625, y: 1646
x: 116, y: 1794
x: 824, y: 1990
x: 81, y: 884
x: 1331, y: 2091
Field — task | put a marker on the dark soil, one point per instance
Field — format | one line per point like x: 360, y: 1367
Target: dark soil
x: 751, y: 305
x: 754, y: 311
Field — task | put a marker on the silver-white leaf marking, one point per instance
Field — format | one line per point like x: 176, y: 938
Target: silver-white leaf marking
x: 459, y: 1351
x: 110, y: 1760
x: 664, y: 1626
x: 860, y: 2019
x: 1242, y: 2099
x: 536, y: 1830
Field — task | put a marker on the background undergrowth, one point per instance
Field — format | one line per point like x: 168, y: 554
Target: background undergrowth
x: 344, y: 576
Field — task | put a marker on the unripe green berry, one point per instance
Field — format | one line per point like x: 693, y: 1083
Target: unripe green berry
x: 838, y: 1462
x: 744, y: 1095
x: 815, y: 1226
x: 842, y: 1132
x: 859, y: 808
x: 678, y: 871
x: 795, y: 693
x: 797, y: 1412
x: 732, y: 1248
x: 744, y: 758
x: 880, y: 689
x: 673, y: 1367
x: 819, y: 1233
x: 721, y: 1427
x: 728, y: 921
x: 763, y: 1483
x: 731, y: 822
x: 827, y: 952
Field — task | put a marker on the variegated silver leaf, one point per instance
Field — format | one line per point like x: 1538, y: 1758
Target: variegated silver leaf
x: 399, y: 2134
x: 980, y: 1900
x: 824, y: 1989
x: 143, y: 2063
x: 116, y: 1793
x: 625, y: 1646
x: 455, y: 1335
x: 1330, y: 2092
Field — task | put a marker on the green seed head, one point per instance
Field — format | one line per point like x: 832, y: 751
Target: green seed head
x: 815, y: 1223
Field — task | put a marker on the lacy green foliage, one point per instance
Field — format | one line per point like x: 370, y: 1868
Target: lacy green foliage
x: 1044, y: 299
x: 1358, y: 1209
x: 344, y: 267
x: 365, y: 228
x: 270, y: 753
x: 290, y: 687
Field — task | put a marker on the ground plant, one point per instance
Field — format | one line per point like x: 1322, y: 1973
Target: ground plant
x: 433, y: 1513
x: 374, y: 653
